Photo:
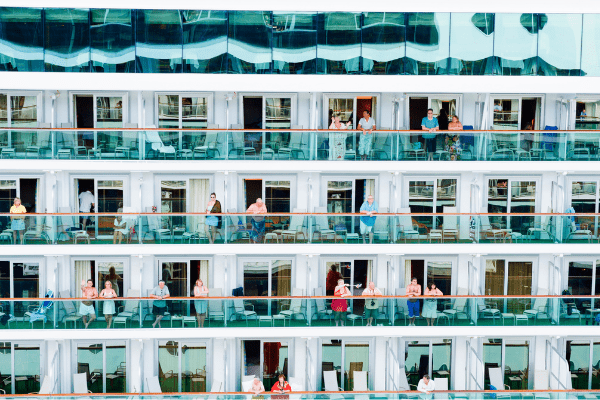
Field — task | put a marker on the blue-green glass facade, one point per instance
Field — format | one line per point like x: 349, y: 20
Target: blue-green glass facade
x: 273, y: 42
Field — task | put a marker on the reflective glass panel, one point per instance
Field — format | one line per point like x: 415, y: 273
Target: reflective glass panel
x: 516, y: 367
x: 22, y: 39
x: 175, y: 276
x: 596, y: 364
x: 109, y: 112
x: 515, y: 44
x: 168, y: 364
x: 113, y: 272
x: 356, y: 360
x: 173, y: 200
x: 158, y: 41
x: 275, y: 362
x: 294, y: 43
x: 492, y: 358
x: 27, y: 368
x: 471, y: 44
x: 23, y: 111
x: 26, y: 279
x: 445, y: 195
x: 278, y: 115
x: 110, y: 200
x: 440, y: 273
x: 249, y: 45
x: 331, y: 359
x: 168, y: 111
x: 417, y: 361
x: 506, y: 116
x: 194, y: 112
x: 112, y: 42
x: 578, y: 356
x: 281, y: 283
x: 559, y: 45
x: 580, y: 278
x: 583, y: 200
x: 427, y: 44
x: 590, y: 45
x: 277, y: 196
x: 587, y: 114
x: 256, y: 283
x: 339, y: 43
x: 494, y: 277
x: 193, y: 363
x: 5, y: 285
x: 519, y: 283
x: 383, y: 43
x: 420, y: 200
x: 6, y: 367
x: 522, y: 200
x: 67, y: 38
x: 89, y: 361
x: 204, y: 41
x: 441, y: 363
x: 3, y: 110
x: 116, y: 368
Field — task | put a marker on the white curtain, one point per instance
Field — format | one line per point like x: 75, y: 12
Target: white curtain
x: 198, y: 197
x: 83, y: 271
x: 407, y: 272
x: 369, y: 273
x: 203, y: 273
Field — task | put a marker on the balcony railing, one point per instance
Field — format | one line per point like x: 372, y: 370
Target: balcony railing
x: 276, y: 311
x: 296, y: 228
x: 281, y: 144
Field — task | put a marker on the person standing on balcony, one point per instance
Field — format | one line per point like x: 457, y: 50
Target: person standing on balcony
x: 86, y: 308
x: 371, y: 305
x: 430, y: 305
x: 258, y: 222
x: 86, y: 203
x: 412, y: 290
x: 212, y: 222
x: 369, y: 207
x: 17, y: 223
x: 426, y: 385
x: 340, y: 306
x: 108, y: 306
x: 257, y: 386
x: 452, y: 140
x: 201, y: 305
x: 367, y: 124
x: 159, y: 307
x: 337, y: 140
x: 431, y: 125
x: 332, y: 278
x: 281, y: 386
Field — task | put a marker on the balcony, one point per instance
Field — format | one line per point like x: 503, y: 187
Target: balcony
x: 296, y: 228
x: 518, y: 311
x: 308, y: 145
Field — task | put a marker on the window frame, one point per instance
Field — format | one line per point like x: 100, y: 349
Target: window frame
x: 366, y: 340
x: 75, y: 345
x: 520, y: 98
x: 39, y: 105
x: 95, y: 95
x: 208, y: 343
x: 210, y: 102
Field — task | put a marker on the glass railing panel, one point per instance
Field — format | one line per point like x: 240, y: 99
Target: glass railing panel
x: 271, y: 311
x: 463, y: 145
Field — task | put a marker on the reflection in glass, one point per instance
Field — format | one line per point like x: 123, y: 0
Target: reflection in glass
x: 506, y: 115
x: 519, y: 284
x: 294, y: 43
x: 175, y: 276
x: 168, y: 364
x: 596, y: 359
x: 110, y: 200
x: 23, y: 111
x: 89, y: 361
x: 277, y: 196
x: 494, y: 278
x: 109, y: 112
x: 440, y: 273
x: 168, y: 111
x: 590, y: 43
x: 559, y: 45
x: 281, y: 283
x: 578, y: 356
x: 6, y: 367
x: 516, y: 367
x: 441, y: 363
x: 249, y: 43
x: 427, y: 43
x: 67, y: 40
x: 587, y: 114
x: 492, y: 358
x: 331, y: 359
x: 27, y: 368
x: 158, y: 41
x: 204, y: 41
x: 356, y: 358
x: 515, y: 44
x: 194, y: 114
x: 3, y: 110
x: 522, y: 201
x: 339, y: 43
x: 471, y: 44
x: 22, y: 39
x: 420, y: 200
x: 193, y: 363
x: 256, y: 283
x: 112, y: 44
x: 417, y: 361
x: 583, y: 200
x: 383, y: 43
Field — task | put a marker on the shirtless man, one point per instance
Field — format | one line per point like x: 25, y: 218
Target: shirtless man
x: 86, y: 308
x: 412, y: 290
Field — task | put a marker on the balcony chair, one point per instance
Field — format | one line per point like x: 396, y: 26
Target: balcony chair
x: 240, y: 310
x: 294, y: 148
x: 153, y: 385
x: 215, y: 307
x: 458, y: 307
x: 295, y: 228
x: 487, y: 231
x: 70, y: 310
x: 130, y: 310
x: 354, y: 317
x: 401, y: 309
x: 322, y: 228
x: 240, y: 147
x: 380, y: 145
x: 38, y: 312
x: 489, y: 311
x: 450, y: 223
x: 331, y: 381
x: 539, y: 308
x: 406, y: 226
x: 38, y: 232
x: 497, y: 379
x: 403, y: 384
x: 210, y: 147
x: 544, y: 227
x: 80, y: 383
x: 381, y: 229
x: 564, y: 312
x: 441, y: 384
x: 69, y: 226
x: 360, y: 381
x: 322, y: 312
x: 295, y: 307
x: 247, y: 383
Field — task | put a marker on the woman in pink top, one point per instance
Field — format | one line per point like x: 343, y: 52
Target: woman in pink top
x: 258, y: 222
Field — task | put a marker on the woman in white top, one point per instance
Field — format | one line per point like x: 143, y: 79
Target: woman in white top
x: 430, y: 304
x: 108, y: 306
x: 120, y: 229
x: 337, y: 140
x: 201, y: 305
x: 367, y: 125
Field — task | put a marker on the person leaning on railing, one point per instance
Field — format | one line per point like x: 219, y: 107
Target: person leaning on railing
x: 258, y: 222
x: 17, y: 223
x: 452, y: 140
x: 431, y: 125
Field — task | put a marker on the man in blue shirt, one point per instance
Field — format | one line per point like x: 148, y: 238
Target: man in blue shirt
x: 431, y: 125
x: 368, y: 208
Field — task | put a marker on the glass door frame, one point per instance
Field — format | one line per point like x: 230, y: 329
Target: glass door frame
x: 290, y: 342
x: 116, y: 177
x: 41, y: 261
x: 75, y: 286
x: 595, y: 262
x: 104, y: 342
x: 354, y: 96
x: 346, y: 259
x: 326, y: 178
x: 508, y: 259
x: 590, y: 342
x: 403, y: 347
x: 406, y: 179
x: 209, y: 107
x: 11, y: 93
x: 42, y: 346
x: 242, y: 177
x: 208, y: 342
x: 267, y: 260
x: 512, y: 178
x: 95, y: 95
x: 269, y: 95
x: 494, y: 96
x: 569, y: 194
x: 41, y: 198
x: 457, y: 97
x: 572, y: 110
x: 365, y: 340
x: 453, y: 259
x: 531, y: 350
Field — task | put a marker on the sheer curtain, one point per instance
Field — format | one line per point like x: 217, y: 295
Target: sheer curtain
x: 199, y: 194
x: 203, y: 273
x: 83, y: 272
